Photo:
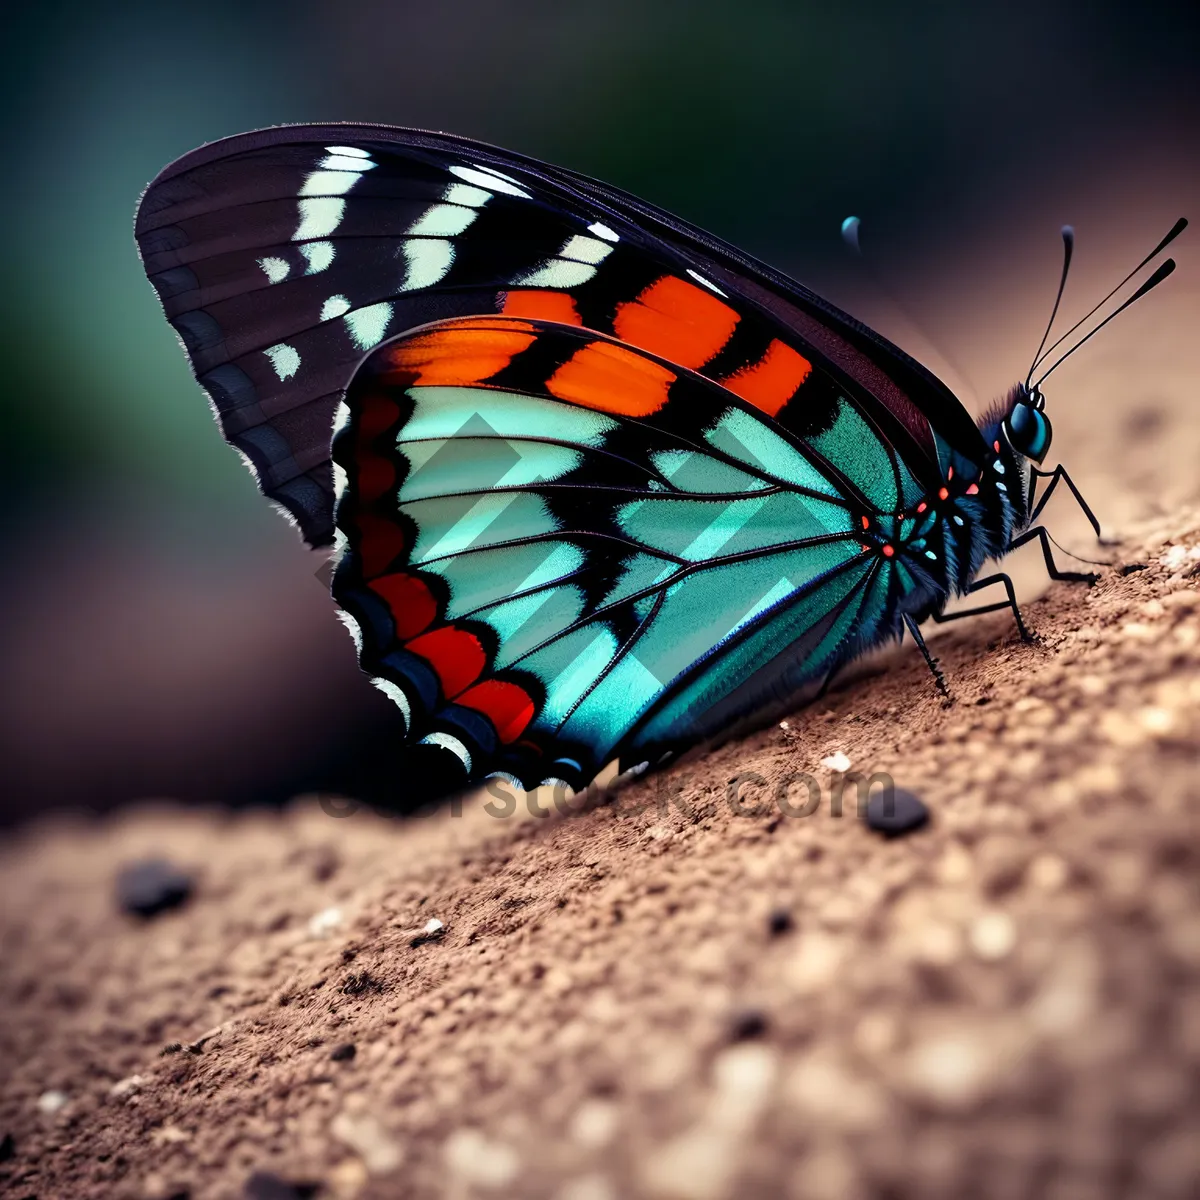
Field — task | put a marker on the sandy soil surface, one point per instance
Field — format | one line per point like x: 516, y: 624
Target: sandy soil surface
x: 661, y: 997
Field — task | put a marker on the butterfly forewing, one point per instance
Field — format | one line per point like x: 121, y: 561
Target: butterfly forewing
x: 283, y: 257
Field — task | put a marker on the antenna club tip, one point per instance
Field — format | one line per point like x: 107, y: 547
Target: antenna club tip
x: 1068, y: 232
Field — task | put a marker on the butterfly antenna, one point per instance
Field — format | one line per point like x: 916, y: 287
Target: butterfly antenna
x: 1148, y: 286
x: 1068, y: 237
x: 1175, y: 231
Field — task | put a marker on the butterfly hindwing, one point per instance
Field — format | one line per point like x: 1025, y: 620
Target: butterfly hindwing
x: 558, y: 548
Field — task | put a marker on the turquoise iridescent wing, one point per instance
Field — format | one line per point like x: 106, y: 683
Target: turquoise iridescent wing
x: 557, y: 549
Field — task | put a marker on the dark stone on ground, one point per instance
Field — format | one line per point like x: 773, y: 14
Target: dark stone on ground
x: 262, y: 1185
x: 747, y: 1025
x: 780, y: 922
x: 152, y: 886
x: 897, y: 813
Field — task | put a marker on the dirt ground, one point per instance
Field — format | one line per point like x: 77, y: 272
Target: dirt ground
x: 662, y: 997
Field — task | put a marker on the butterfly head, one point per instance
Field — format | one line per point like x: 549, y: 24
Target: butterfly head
x: 1026, y: 427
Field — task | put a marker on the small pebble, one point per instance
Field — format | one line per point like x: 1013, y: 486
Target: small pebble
x: 324, y: 923
x: 152, y: 886
x: 430, y: 932
x: 836, y: 762
x: 50, y: 1102
x: 780, y: 922
x: 897, y: 814
x: 262, y: 1185
x: 343, y: 1053
x: 747, y: 1025
x: 123, y: 1087
x: 993, y: 935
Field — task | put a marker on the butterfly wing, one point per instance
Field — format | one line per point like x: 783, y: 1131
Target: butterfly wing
x: 283, y: 256
x: 558, y: 548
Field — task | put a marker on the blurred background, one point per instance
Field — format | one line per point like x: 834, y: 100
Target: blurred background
x: 162, y: 632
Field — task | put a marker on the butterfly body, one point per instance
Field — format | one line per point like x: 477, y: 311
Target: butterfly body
x: 601, y: 487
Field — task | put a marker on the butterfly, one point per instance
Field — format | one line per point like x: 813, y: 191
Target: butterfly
x: 600, y: 486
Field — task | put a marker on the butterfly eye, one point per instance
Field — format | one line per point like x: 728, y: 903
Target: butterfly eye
x: 1028, y: 431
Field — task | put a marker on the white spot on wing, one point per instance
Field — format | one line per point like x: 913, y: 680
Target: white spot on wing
x: 585, y: 249
x: 341, y: 418
x: 442, y: 220
x: 340, y: 480
x: 353, y: 151
x: 334, y: 307
x: 603, y: 231
x: 319, y: 256
x: 368, y: 325
x: 329, y: 183
x: 275, y: 269
x: 708, y: 283
x: 428, y: 260
x: 319, y: 216
x: 285, y: 359
x: 447, y: 742
x: 498, y: 183
x: 558, y: 273
x: 397, y: 697
x: 339, y: 162
x: 464, y: 193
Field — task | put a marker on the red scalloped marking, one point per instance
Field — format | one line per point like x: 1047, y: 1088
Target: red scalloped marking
x: 455, y: 655
x: 507, y: 706
x: 379, y: 541
x: 413, y: 606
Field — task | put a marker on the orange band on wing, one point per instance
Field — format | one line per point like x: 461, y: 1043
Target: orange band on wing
x: 458, y: 355
x: 772, y: 381
x: 454, y: 654
x: 545, y: 306
x: 506, y: 705
x: 610, y: 378
x: 677, y: 320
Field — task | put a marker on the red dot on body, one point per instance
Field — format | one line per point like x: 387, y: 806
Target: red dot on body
x: 888, y: 551
x: 943, y: 493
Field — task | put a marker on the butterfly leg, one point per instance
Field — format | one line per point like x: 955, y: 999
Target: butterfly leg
x: 1059, y: 473
x: 1011, y: 602
x: 1039, y: 532
x: 930, y: 661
